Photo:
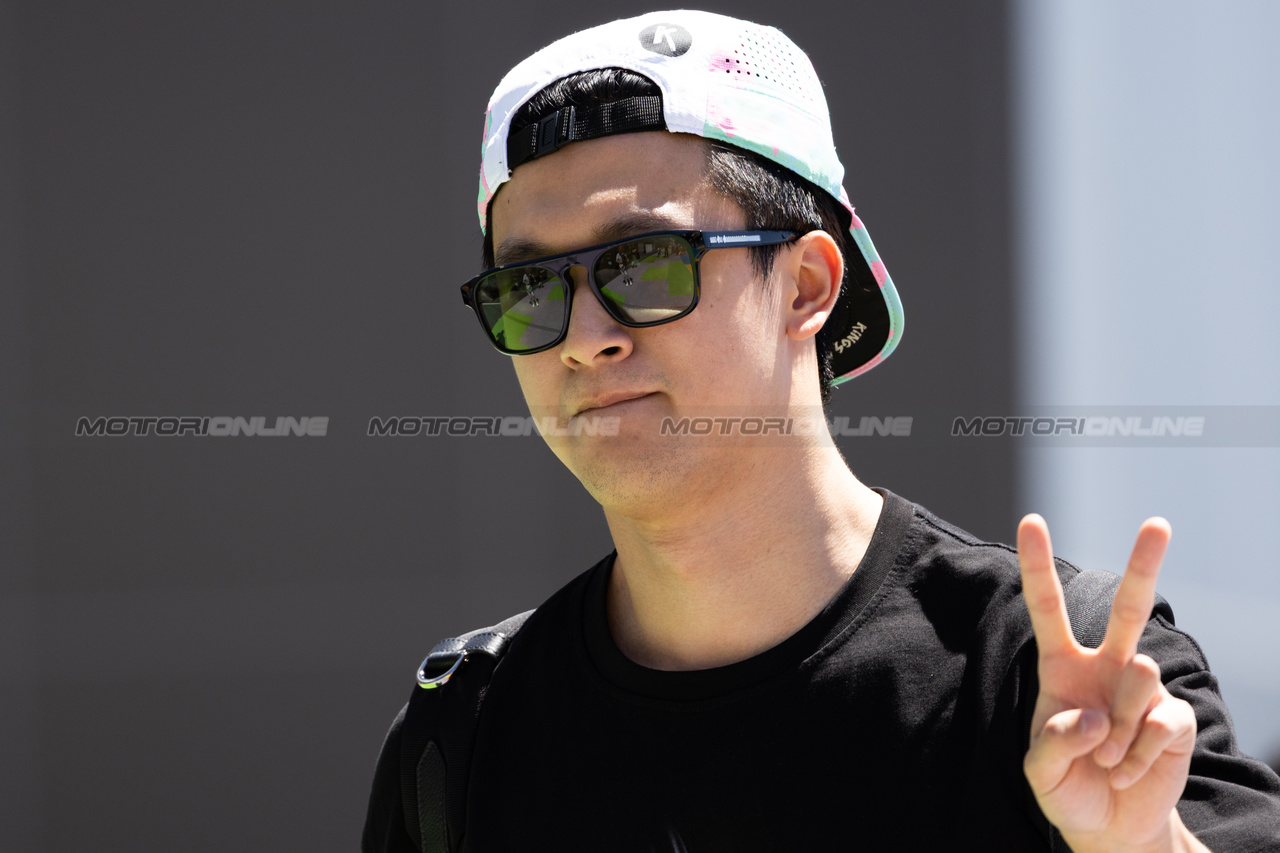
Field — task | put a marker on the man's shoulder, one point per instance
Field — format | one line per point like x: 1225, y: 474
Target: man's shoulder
x: 942, y: 552
x: 969, y: 580
x: 966, y: 587
x: 561, y: 613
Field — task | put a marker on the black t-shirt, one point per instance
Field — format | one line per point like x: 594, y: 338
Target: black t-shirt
x: 897, y: 719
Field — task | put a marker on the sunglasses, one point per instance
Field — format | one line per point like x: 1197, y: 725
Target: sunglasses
x: 646, y: 280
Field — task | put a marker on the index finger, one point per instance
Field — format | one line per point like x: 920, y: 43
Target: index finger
x: 1041, y: 589
x: 1134, y: 599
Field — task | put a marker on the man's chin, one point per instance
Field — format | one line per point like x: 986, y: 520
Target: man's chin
x: 621, y: 429
x: 642, y: 474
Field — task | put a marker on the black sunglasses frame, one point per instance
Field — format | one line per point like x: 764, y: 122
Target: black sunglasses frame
x: 700, y: 241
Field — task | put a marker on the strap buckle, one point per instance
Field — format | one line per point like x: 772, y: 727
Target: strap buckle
x: 447, y: 655
x: 434, y: 661
x: 554, y: 132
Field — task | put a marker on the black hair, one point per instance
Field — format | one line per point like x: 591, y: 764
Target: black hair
x: 773, y: 197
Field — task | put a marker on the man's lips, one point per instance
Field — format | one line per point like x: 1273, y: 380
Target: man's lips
x: 606, y: 400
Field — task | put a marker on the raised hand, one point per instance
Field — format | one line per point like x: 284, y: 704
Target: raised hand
x: 1110, y: 746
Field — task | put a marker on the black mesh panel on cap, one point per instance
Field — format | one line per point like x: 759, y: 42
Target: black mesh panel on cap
x: 571, y: 124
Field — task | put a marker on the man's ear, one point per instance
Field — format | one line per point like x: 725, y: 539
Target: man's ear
x: 815, y: 271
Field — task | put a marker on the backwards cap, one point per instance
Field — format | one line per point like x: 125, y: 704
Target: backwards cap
x: 723, y: 79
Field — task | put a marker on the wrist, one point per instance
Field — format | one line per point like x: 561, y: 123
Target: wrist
x: 1173, y: 837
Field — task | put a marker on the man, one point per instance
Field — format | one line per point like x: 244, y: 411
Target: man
x: 777, y: 657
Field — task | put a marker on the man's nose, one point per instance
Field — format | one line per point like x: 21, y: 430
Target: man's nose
x: 594, y: 337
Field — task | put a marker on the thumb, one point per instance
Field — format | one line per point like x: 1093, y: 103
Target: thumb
x: 1065, y: 737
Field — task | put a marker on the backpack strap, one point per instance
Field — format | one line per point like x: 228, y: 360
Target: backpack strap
x: 439, y: 729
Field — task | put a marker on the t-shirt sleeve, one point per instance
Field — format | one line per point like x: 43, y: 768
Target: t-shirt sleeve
x: 1232, y: 801
x: 384, y: 830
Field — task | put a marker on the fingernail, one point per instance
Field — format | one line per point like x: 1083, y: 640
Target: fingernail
x: 1120, y: 780
x: 1090, y: 722
x: 1108, y: 753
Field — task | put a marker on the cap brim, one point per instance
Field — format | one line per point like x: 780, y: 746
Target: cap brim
x: 867, y: 321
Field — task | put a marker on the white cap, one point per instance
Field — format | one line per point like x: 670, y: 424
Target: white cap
x: 723, y: 79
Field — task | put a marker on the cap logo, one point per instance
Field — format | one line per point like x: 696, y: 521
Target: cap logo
x: 666, y: 39
x: 855, y: 335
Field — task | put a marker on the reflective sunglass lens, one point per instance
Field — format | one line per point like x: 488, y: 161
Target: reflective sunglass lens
x: 647, y: 280
x: 523, y: 307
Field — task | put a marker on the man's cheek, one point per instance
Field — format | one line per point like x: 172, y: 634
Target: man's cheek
x: 534, y: 384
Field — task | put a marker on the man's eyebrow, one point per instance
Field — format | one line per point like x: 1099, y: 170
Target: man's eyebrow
x: 624, y: 225
x: 636, y: 222
x: 517, y: 249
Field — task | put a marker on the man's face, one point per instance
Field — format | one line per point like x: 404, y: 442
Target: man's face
x: 730, y: 353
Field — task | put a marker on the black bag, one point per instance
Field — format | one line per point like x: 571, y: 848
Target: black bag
x: 439, y: 731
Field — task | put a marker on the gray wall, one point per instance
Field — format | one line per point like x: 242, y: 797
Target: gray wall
x: 1147, y: 140
x: 264, y: 209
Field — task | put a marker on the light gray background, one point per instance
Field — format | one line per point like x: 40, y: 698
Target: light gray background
x: 1147, y: 139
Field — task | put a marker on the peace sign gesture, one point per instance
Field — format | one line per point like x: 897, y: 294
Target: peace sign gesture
x: 1110, y: 746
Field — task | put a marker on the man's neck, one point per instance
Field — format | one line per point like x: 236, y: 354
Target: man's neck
x: 723, y: 578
